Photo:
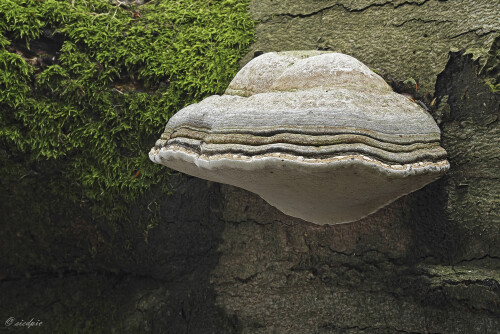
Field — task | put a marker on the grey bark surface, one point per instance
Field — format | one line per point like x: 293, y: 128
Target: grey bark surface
x: 224, y: 261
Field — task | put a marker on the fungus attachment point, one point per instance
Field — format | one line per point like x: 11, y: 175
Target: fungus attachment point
x: 316, y: 134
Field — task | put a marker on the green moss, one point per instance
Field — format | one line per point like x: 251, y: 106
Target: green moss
x: 85, y: 89
x: 491, y: 70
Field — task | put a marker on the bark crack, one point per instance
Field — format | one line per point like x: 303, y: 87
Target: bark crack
x: 347, y: 9
x: 490, y: 283
x: 246, y: 279
x: 486, y: 256
x: 480, y: 32
x: 368, y: 328
x: 421, y: 21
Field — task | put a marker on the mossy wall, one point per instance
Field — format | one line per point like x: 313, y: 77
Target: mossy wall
x: 85, y: 89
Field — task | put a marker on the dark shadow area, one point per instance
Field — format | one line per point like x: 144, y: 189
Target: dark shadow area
x: 453, y: 262
x: 186, y: 243
x: 467, y: 94
x: 467, y: 103
x: 167, y: 291
x: 435, y: 237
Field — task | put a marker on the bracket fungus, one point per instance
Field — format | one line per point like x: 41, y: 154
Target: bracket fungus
x: 316, y: 134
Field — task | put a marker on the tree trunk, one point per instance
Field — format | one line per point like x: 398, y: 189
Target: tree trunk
x: 224, y: 261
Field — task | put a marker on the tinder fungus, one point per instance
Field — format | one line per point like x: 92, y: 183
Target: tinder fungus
x: 316, y: 134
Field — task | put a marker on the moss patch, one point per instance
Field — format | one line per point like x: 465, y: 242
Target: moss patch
x: 491, y: 70
x: 85, y: 88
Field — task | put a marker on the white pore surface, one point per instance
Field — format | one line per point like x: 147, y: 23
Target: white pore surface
x: 341, y: 190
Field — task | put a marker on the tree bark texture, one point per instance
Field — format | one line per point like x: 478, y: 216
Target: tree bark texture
x: 224, y: 261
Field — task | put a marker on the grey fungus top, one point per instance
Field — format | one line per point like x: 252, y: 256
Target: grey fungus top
x: 316, y: 134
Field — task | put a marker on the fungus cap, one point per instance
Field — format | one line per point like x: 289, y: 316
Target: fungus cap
x: 316, y: 134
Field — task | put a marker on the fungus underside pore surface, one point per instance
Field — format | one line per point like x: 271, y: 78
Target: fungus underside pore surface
x: 85, y: 86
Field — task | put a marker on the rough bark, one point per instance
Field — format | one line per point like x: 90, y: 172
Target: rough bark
x: 224, y: 261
